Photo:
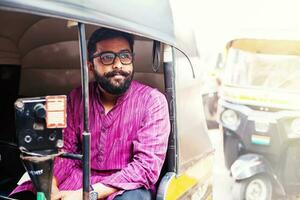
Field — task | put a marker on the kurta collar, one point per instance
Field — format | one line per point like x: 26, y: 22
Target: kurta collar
x: 120, y: 99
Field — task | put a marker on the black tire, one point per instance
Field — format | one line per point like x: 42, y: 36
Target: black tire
x: 231, y: 150
x: 258, y: 187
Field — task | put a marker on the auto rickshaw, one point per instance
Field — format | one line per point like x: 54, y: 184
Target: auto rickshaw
x: 43, y: 53
x: 259, y: 118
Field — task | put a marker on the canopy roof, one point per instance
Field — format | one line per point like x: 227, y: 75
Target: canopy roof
x: 152, y: 19
x: 156, y: 19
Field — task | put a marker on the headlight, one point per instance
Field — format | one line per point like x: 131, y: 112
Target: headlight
x: 295, y: 128
x: 230, y: 118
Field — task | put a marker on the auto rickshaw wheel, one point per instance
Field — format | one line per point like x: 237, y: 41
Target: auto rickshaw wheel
x: 231, y: 150
x: 258, y: 187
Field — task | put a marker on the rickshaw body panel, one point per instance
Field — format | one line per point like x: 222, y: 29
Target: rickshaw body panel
x: 194, y: 183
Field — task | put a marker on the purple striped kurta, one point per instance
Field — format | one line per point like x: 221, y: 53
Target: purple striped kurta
x: 128, y: 144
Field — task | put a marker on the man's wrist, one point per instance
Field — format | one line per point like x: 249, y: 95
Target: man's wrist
x: 103, y: 190
x: 93, y: 194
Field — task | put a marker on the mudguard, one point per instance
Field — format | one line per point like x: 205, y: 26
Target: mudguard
x: 249, y: 165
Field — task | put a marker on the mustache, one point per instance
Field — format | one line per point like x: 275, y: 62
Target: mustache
x: 114, y: 73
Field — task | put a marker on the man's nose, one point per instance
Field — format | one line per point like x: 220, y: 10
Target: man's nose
x: 117, y: 63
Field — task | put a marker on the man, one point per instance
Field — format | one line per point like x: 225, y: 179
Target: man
x: 129, y: 127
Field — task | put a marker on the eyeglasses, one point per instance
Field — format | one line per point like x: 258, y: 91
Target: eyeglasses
x: 108, y: 57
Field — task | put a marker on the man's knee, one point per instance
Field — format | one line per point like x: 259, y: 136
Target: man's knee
x: 137, y: 194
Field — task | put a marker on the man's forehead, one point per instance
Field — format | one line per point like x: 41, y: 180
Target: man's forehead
x: 113, y: 43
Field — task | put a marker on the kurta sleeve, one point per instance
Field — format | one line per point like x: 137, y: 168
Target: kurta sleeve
x: 149, y: 148
x: 63, y: 167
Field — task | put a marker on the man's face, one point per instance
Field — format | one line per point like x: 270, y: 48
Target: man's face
x: 114, y: 78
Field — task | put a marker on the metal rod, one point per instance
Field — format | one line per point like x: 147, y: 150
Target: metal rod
x: 169, y: 78
x: 85, y: 96
x: 8, y: 198
x: 72, y: 156
x: 86, y: 164
x: 84, y: 75
x: 174, y: 112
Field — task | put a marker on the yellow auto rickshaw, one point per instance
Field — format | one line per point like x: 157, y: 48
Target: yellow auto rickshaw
x: 259, y: 117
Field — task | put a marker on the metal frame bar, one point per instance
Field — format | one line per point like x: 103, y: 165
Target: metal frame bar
x: 85, y: 95
x: 169, y: 78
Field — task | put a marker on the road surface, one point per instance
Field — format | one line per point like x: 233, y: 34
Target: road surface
x: 221, y: 181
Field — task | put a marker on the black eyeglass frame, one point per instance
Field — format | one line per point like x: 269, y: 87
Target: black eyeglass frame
x: 115, y: 55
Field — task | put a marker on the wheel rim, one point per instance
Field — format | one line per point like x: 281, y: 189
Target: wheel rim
x: 256, y: 190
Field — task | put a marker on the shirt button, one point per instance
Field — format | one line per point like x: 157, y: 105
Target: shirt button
x: 103, y: 129
x: 102, y: 112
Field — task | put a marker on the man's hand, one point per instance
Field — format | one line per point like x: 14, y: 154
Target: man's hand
x: 54, y: 191
x: 54, y: 188
x: 104, y: 190
x: 68, y: 195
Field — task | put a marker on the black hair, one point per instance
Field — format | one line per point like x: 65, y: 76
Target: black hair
x: 104, y: 34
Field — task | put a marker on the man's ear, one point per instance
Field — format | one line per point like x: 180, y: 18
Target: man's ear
x: 90, y: 66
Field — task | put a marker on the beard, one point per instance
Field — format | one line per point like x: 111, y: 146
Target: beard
x: 117, y: 87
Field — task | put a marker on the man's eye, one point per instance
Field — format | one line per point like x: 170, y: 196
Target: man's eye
x: 125, y: 55
x: 107, y: 57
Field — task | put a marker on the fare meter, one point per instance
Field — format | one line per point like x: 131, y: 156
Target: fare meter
x: 39, y: 123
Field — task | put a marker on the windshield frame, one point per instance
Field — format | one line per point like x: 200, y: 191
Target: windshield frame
x: 262, y: 71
